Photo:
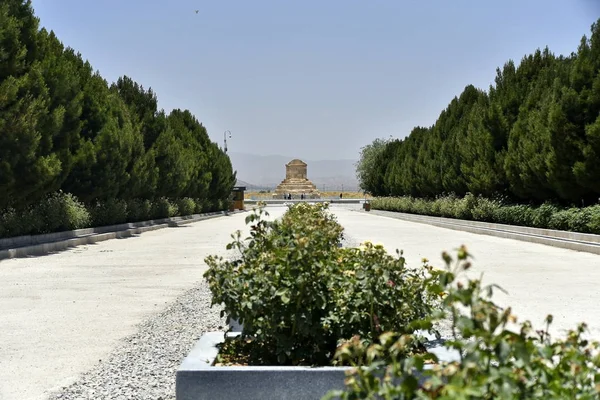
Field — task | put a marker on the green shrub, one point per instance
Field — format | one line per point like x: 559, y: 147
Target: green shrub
x: 543, y: 214
x: 514, y: 215
x: 109, y: 212
x: 297, y: 293
x: 594, y: 219
x: 20, y: 222
x: 57, y: 212
x: 375, y: 293
x: 199, y: 206
x: 560, y: 220
x: 580, y: 219
x: 139, y: 210
x: 498, y: 359
x: 62, y: 211
x: 186, y: 206
x: 278, y: 288
x: 163, y: 208
x: 484, y: 209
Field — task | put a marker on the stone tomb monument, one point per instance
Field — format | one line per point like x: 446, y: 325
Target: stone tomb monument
x: 296, y: 183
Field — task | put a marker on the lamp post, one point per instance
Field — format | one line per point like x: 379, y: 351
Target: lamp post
x: 225, y: 134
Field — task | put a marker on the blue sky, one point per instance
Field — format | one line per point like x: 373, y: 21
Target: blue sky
x: 312, y: 79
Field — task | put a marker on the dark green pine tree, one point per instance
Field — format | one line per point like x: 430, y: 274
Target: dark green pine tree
x: 61, y: 126
x: 27, y: 164
x: 585, y: 81
x: 105, y: 164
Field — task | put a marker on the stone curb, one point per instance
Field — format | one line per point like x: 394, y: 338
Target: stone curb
x: 53, y: 242
x: 585, y: 242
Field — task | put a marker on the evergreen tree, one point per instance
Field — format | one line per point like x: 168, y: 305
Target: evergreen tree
x: 27, y: 165
x: 534, y: 136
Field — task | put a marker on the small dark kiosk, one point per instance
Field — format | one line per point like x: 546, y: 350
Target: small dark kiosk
x: 237, y: 198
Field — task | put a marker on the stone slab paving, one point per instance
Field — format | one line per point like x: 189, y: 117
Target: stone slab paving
x: 540, y: 279
x: 62, y: 313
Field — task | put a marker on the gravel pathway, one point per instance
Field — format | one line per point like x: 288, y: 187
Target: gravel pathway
x: 143, y: 365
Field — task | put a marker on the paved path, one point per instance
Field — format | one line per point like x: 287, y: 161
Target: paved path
x: 540, y: 279
x: 61, y: 313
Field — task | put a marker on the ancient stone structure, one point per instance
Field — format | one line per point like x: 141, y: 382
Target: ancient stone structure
x: 296, y: 182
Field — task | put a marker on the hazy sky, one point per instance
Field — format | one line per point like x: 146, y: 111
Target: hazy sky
x: 315, y: 79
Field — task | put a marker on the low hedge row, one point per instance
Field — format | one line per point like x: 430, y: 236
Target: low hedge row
x: 63, y: 211
x: 470, y: 207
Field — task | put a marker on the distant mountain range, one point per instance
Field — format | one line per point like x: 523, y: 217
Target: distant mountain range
x: 266, y: 172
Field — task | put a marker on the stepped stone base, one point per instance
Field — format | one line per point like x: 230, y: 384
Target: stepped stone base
x: 296, y: 187
x: 296, y: 183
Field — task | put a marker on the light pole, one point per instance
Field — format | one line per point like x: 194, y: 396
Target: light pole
x: 225, y: 139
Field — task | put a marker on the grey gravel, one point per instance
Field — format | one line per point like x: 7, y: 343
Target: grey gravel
x: 143, y: 365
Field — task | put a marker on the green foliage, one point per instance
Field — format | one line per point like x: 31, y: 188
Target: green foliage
x: 139, y: 210
x: 367, y: 168
x: 499, y: 359
x: 63, y: 127
x: 163, y: 208
x: 534, y: 136
x: 62, y: 211
x: 372, y: 283
x: 56, y: 212
x: 201, y: 205
x: 186, y: 206
x: 297, y: 293
x: 470, y: 207
x: 109, y: 212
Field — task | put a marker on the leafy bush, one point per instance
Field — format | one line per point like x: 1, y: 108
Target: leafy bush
x: 200, y: 206
x: 57, y: 212
x: 278, y: 288
x: 543, y: 214
x: 593, y: 224
x: 62, y: 211
x: 109, y: 212
x: 498, y: 358
x: 485, y: 209
x: 186, y: 206
x: 163, y: 208
x: 139, y: 210
x: 297, y: 293
x: 376, y: 292
x: 547, y: 215
x: 560, y: 220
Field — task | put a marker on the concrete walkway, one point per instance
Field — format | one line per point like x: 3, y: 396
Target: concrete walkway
x: 61, y: 313
x: 540, y: 279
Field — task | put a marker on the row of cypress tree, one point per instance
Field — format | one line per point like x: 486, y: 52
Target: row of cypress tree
x: 533, y: 136
x: 63, y: 127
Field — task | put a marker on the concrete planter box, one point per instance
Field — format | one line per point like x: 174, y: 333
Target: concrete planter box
x: 198, y: 379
